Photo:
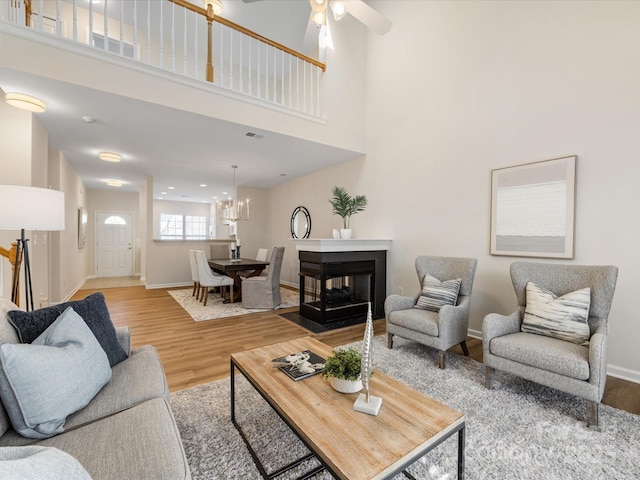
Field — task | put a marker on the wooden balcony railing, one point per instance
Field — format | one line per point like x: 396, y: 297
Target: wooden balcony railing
x: 180, y: 37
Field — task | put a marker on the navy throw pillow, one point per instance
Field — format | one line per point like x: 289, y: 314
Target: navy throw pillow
x: 92, y: 309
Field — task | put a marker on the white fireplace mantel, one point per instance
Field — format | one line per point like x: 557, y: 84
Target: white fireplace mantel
x: 340, y: 245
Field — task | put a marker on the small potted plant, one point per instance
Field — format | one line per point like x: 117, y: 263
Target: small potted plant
x: 345, y: 205
x: 343, y: 370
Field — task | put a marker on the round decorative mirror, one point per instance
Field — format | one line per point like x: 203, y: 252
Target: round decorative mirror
x: 300, y: 223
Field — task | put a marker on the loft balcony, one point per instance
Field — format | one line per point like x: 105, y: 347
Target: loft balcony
x: 182, y: 38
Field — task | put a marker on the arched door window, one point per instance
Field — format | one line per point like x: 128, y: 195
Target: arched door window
x: 115, y: 220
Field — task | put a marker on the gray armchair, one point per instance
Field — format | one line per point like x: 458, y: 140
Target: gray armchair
x: 264, y: 292
x: 441, y: 330
x: 572, y: 368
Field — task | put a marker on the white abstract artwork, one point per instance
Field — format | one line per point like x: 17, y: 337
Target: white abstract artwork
x: 532, y: 209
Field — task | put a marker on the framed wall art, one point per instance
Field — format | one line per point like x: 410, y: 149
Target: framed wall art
x: 533, y: 209
x: 82, y: 227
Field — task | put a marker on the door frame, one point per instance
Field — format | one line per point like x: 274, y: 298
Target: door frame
x: 96, y: 237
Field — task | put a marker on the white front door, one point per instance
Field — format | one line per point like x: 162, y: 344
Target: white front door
x: 114, y: 251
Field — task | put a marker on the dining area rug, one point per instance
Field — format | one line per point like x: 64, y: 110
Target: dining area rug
x: 215, y: 307
x: 518, y: 430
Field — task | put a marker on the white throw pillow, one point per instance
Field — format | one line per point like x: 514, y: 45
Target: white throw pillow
x: 44, y: 382
x: 565, y: 317
x: 436, y: 294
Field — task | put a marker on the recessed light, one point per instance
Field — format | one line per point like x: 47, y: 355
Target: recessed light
x: 203, y: 185
x: 25, y: 102
x: 171, y: 188
x: 114, y: 183
x: 89, y: 120
x: 109, y: 157
x: 163, y: 193
x: 225, y: 193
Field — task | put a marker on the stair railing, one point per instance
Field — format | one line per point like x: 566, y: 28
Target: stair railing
x: 170, y: 34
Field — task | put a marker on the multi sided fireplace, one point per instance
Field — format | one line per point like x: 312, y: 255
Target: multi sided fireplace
x: 337, y: 285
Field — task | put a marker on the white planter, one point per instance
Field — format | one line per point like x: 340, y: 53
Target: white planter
x: 345, y: 386
x: 345, y: 233
x: 336, y: 233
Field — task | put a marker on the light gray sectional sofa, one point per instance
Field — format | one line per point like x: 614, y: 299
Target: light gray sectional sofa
x: 126, y: 431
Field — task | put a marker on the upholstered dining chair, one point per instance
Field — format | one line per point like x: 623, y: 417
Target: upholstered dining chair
x: 264, y: 292
x: 218, y: 251
x: 438, y: 316
x: 194, y: 273
x: 261, y: 256
x: 208, y: 278
x: 558, y: 336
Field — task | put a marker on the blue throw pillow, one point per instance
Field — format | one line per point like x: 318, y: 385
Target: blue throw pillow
x: 44, y: 382
x: 93, y: 310
x: 39, y: 463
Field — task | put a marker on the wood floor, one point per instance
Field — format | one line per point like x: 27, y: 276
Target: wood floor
x: 198, y: 352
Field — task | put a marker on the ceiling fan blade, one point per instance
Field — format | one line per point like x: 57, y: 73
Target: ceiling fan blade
x: 367, y: 15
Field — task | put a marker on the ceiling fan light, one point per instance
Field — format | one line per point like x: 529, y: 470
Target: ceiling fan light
x: 320, y: 17
x: 25, y: 102
x: 109, y: 157
x: 318, y: 5
x: 216, y: 6
x: 339, y: 9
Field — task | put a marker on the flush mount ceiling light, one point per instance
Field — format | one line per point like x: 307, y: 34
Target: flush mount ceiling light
x: 25, y: 102
x: 216, y: 6
x: 114, y: 183
x: 109, y: 157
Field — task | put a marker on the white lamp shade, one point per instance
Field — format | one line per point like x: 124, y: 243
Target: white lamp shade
x: 31, y: 208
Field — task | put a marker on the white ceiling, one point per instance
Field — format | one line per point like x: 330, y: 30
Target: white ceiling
x: 177, y: 148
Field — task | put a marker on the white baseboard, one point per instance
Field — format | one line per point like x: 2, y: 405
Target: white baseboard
x: 290, y: 284
x: 168, y: 285
x: 612, y: 370
x: 623, y: 373
x: 73, y: 291
x: 475, y: 334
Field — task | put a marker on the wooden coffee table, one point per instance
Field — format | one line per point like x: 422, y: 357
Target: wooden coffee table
x: 348, y: 444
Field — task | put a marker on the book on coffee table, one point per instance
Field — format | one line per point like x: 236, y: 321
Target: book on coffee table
x: 300, y: 365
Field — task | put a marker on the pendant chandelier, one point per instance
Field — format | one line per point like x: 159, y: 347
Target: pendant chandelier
x: 232, y: 210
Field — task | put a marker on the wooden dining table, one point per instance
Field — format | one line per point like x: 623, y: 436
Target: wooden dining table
x: 232, y: 268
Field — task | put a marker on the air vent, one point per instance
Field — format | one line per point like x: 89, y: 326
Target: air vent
x: 255, y: 135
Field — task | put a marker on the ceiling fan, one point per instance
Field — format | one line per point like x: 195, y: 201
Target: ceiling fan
x: 356, y: 8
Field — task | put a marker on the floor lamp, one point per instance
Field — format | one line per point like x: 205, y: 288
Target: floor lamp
x: 28, y: 208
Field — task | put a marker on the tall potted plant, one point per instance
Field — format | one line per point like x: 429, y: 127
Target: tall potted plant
x: 345, y: 205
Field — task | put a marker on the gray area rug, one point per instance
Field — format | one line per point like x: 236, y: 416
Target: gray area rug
x: 518, y: 430
x: 215, y: 308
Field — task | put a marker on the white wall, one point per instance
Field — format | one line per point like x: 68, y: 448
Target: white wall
x: 70, y: 264
x: 457, y: 89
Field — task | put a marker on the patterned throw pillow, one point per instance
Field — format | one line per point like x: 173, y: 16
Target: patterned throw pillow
x: 562, y: 317
x: 436, y: 294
